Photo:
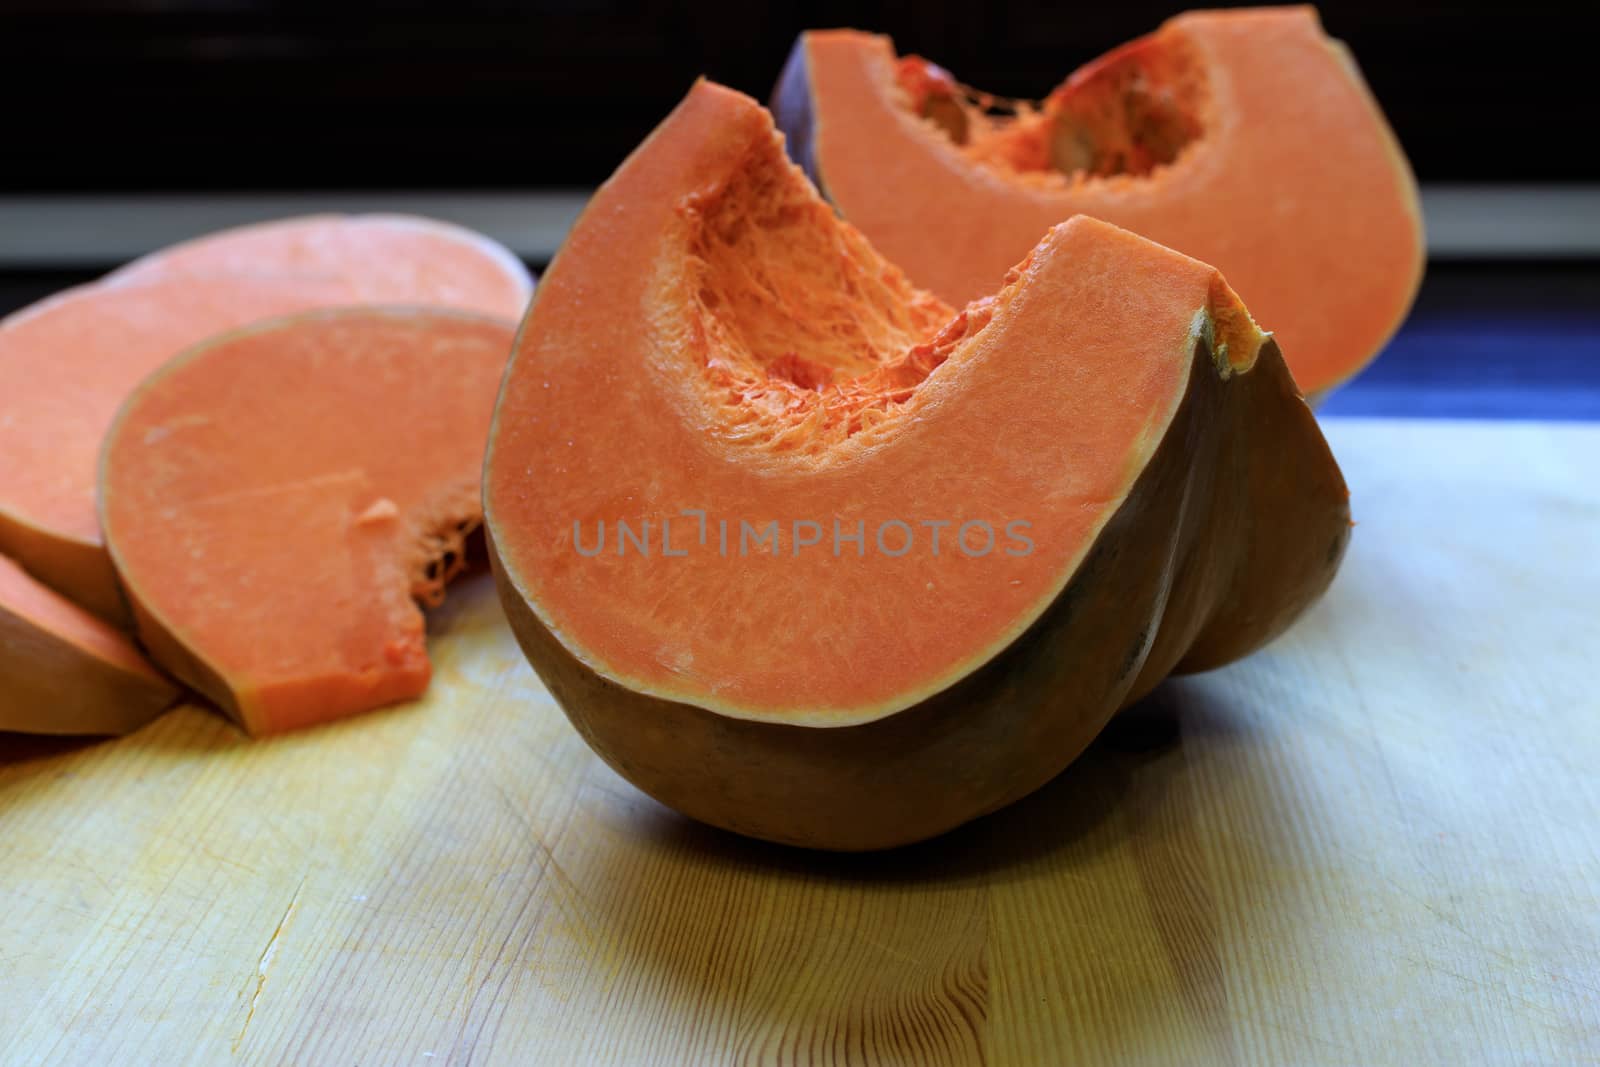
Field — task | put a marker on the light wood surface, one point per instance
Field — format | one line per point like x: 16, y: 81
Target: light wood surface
x: 1377, y: 841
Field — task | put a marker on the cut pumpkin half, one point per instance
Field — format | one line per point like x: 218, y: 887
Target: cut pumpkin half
x: 808, y: 554
x: 1247, y: 139
x: 279, y: 500
x: 69, y: 361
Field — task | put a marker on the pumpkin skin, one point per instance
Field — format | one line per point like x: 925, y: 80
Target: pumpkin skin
x: 1184, y: 504
x: 1246, y: 139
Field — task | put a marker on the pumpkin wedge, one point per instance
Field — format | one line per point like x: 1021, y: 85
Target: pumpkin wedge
x: 1247, y: 139
x: 69, y: 361
x: 805, y: 553
x: 278, y: 500
x: 63, y: 671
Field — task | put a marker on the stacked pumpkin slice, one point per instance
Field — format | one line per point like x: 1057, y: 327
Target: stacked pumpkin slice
x: 246, y: 391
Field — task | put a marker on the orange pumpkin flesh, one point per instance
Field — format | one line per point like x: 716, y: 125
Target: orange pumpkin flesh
x: 1243, y: 138
x: 712, y: 341
x: 69, y: 361
x: 63, y: 671
x: 385, y: 259
x: 277, y: 500
x: 73, y: 359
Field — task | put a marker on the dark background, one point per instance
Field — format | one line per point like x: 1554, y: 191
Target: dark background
x: 264, y: 94
x: 239, y: 96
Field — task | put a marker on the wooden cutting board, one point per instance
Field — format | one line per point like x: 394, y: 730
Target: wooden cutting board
x: 1377, y: 841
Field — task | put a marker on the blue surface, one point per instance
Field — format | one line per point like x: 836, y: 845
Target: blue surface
x: 1468, y: 363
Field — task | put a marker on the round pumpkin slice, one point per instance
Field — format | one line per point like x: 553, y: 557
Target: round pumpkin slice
x: 807, y: 554
x: 64, y: 671
x: 278, y: 500
x: 69, y: 361
x: 1247, y: 139
x: 385, y: 258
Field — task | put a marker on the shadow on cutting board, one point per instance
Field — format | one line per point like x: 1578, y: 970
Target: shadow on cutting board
x: 1096, y: 881
x: 19, y: 751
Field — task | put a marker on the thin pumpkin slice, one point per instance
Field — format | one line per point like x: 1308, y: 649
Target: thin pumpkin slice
x: 385, y: 258
x: 279, y: 500
x: 69, y: 361
x: 64, y: 671
x: 1247, y: 139
x: 871, y: 566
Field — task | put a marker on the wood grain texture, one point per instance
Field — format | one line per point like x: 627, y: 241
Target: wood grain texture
x: 1374, y: 842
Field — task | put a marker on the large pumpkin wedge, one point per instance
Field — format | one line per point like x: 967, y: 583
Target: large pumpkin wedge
x: 279, y: 499
x: 64, y: 671
x: 1247, y: 139
x: 774, y: 426
x: 70, y: 360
